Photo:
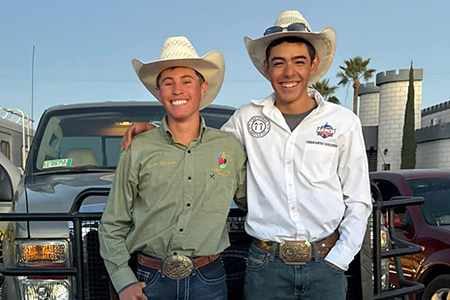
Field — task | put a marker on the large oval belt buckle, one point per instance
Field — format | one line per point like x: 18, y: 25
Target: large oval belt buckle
x: 177, y: 267
x: 295, y: 253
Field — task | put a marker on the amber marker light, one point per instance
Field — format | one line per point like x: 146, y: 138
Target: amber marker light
x: 43, y: 253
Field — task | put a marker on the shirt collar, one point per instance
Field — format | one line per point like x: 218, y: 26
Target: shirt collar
x: 165, y: 130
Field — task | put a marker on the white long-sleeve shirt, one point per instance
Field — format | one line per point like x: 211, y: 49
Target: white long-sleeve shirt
x: 305, y: 184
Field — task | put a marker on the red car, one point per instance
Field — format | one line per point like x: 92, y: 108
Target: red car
x: 427, y: 225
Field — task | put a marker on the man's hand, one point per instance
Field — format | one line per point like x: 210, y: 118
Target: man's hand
x: 132, y: 131
x: 133, y: 292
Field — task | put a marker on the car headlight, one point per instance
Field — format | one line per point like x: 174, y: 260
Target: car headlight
x: 37, y: 253
x: 384, y: 238
x: 384, y: 234
x: 37, y: 289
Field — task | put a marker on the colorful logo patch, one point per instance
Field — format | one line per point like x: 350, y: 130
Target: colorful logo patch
x: 222, y: 160
x: 325, y: 131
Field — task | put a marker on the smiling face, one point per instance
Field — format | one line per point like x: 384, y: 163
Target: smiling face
x: 288, y: 69
x: 180, y: 92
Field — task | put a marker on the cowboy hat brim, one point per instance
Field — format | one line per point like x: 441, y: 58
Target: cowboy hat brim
x: 211, y: 66
x: 324, y: 42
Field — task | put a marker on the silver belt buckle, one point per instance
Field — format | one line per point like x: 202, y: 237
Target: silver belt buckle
x: 295, y: 252
x: 177, y: 267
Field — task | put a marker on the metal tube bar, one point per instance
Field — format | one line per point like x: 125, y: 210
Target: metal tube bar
x: 79, y: 258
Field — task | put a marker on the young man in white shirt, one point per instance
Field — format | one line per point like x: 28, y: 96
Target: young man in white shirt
x: 308, y: 187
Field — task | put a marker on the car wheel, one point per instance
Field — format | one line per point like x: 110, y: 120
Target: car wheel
x: 438, y: 289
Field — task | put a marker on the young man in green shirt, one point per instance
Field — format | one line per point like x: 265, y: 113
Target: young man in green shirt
x: 173, y: 188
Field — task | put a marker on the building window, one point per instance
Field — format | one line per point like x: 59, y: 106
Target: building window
x: 5, y: 149
x: 386, y: 167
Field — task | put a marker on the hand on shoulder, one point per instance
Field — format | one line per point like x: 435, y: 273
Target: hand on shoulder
x: 133, y: 130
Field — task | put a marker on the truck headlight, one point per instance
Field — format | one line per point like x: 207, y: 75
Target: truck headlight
x: 37, y: 289
x: 37, y: 253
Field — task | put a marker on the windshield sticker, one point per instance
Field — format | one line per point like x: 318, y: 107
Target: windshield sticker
x: 56, y: 163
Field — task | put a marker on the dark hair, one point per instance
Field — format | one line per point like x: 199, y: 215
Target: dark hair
x: 291, y: 39
x: 200, y: 76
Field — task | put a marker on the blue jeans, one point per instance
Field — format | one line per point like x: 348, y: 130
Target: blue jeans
x: 267, y: 277
x: 205, y: 283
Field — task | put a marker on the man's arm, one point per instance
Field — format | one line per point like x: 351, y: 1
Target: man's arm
x: 116, y: 224
x: 132, y: 131
x: 354, y: 176
x: 240, y: 197
x: 233, y: 126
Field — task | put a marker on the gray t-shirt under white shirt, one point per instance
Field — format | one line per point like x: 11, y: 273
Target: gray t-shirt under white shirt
x: 294, y: 120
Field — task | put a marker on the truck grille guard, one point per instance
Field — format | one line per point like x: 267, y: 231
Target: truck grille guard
x: 89, y: 273
x: 398, y: 247
x: 83, y: 255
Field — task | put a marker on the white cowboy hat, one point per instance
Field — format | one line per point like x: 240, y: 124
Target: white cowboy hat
x: 179, y: 52
x: 324, y: 42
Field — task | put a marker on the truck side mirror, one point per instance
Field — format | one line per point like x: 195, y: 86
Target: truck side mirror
x: 6, y: 189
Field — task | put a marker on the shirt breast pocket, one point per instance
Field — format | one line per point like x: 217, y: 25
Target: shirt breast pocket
x: 317, y: 162
x: 219, y: 192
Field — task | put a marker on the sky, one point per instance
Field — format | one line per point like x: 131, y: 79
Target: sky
x: 84, y: 48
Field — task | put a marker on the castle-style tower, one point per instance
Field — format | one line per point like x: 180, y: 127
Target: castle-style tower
x: 369, y: 95
x: 369, y: 101
x: 392, y: 104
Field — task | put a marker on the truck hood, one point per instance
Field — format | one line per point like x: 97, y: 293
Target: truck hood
x: 56, y: 193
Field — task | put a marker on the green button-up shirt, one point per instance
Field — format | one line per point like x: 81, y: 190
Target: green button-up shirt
x: 168, y: 198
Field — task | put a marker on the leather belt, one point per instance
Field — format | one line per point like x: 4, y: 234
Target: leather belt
x: 176, y: 266
x: 298, y: 252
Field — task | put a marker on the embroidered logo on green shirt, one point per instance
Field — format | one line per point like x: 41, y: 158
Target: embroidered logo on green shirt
x: 222, y: 160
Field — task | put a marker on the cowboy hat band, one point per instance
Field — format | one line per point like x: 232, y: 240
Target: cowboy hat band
x: 291, y: 23
x: 179, y: 52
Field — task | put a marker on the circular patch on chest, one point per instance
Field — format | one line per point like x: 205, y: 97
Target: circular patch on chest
x: 258, y: 126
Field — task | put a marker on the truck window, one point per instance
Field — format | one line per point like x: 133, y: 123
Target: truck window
x: 5, y: 149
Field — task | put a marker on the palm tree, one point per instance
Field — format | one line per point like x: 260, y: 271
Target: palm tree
x: 355, y: 69
x: 327, y: 91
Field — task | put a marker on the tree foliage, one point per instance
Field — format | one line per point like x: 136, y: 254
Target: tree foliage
x: 355, y: 69
x: 326, y: 90
x: 409, y: 146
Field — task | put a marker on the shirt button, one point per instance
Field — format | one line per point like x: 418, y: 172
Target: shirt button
x: 175, y: 253
x: 189, y: 178
x: 181, y: 229
x: 188, y: 205
x: 189, y: 151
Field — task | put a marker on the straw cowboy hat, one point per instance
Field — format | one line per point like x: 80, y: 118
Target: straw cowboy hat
x: 292, y: 23
x: 179, y: 52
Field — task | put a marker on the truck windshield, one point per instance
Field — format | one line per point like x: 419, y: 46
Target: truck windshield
x: 88, y: 139
x: 436, y: 191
